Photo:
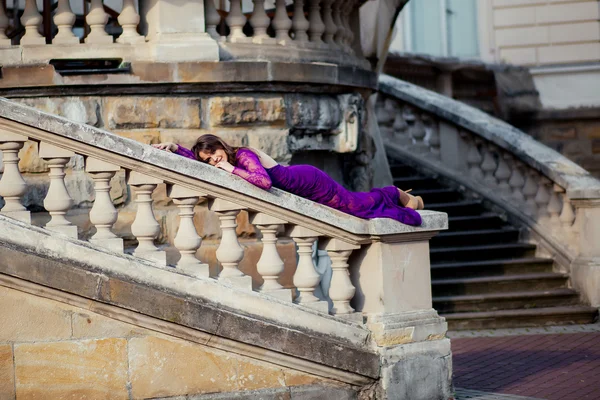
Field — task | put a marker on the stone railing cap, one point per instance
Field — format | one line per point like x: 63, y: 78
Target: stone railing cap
x: 578, y: 183
x: 98, y: 138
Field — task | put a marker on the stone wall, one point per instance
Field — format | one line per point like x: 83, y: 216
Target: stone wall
x: 50, y: 349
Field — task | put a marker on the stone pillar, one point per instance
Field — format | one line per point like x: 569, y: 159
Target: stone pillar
x: 585, y: 269
x: 341, y: 290
x: 177, y: 32
x: 12, y: 184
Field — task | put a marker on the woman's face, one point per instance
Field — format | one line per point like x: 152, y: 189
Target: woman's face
x: 213, y: 157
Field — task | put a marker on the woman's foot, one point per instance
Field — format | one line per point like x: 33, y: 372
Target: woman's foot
x: 410, y: 201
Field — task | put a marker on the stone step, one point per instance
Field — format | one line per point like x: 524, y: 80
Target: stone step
x: 417, y: 182
x: 534, y: 317
x: 473, y: 222
x: 438, y: 195
x: 505, y: 301
x: 483, y: 252
x: 499, y: 284
x: 475, y: 237
x: 400, y: 170
x: 472, y: 269
x: 459, y: 208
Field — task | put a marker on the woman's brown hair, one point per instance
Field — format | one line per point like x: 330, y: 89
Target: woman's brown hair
x: 211, y: 143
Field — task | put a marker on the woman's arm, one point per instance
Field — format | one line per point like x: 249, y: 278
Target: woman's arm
x: 248, y: 166
x: 175, y: 148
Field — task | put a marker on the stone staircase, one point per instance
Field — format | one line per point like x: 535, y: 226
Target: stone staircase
x: 482, y: 275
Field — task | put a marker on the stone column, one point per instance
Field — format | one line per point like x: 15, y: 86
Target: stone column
x: 341, y: 290
x: 12, y: 184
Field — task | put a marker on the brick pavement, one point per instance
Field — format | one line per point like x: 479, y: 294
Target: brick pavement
x: 564, y: 366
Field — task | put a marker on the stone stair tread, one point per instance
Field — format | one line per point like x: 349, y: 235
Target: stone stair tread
x: 483, y: 215
x: 522, y: 313
x: 509, y: 295
x: 476, y: 232
x: 485, y: 247
x: 484, y: 263
x: 454, y: 204
x: 424, y: 192
x: 500, y: 278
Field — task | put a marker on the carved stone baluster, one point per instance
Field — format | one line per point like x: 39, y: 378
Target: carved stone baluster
x: 341, y: 290
x: 474, y: 159
x: 432, y: 137
x: 97, y: 20
x: 337, y: 19
x: 103, y: 214
x: 488, y: 165
x: 317, y: 27
x: 282, y: 23
x: 418, y: 133
x: 567, y: 221
x: 555, y: 206
x: 4, y: 40
x: 270, y: 265
x: 145, y: 227
x: 306, y: 277
x: 236, y: 21
x: 260, y: 23
x: 31, y: 20
x: 400, y: 129
x: 502, y: 174
x: 300, y: 24
x: 129, y: 20
x: 330, y: 27
x: 517, y: 181
x: 542, y: 198
x: 187, y: 240
x: 530, y: 189
x: 12, y: 184
x: 348, y: 33
x: 64, y: 20
x: 230, y: 253
x: 212, y: 19
x: 57, y: 201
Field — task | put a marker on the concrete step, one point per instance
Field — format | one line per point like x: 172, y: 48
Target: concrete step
x: 568, y: 315
x: 473, y: 269
x: 506, y: 301
x: 499, y: 284
x: 474, y: 222
x: 483, y: 252
x: 475, y: 237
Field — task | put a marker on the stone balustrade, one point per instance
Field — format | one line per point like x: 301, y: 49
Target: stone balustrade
x: 538, y: 187
x: 364, y: 253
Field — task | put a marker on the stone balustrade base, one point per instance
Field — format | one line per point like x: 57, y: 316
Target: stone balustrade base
x: 113, y: 244
x: 24, y: 216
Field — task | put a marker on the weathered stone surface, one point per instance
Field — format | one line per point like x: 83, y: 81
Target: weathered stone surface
x: 146, y: 136
x: 77, y: 108
x: 312, y: 113
x: 130, y: 112
x: 7, y: 382
x: 19, y: 76
x: 226, y: 111
x: 185, y: 137
x: 274, y: 142
x: 94, y: 369
x: 90, y: 325
x: 29, y: 160
x: 28, y: 318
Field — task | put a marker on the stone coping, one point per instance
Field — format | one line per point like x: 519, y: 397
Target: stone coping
x: 81, y: 268
x: 146, y: 156
x: 578, y: 183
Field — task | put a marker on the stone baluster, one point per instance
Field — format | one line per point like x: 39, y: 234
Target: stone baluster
x: 97, y: 20
x: 432, y: 136
x: 330, y: 26
x: 317, y: 27
x: 236, y: 21
x: 555, y: 206
x: 187, y: 240
x: 417, y: 134
x: 64, y: 20
x: 337, y: 19
x: 567, y: 220
x: 306, y: 277
x: 517, y: 181
x: 129, y: 20
x: 300, y: 24
x: 31, y: 20
x: 12, y: 184
x: 282, y: 23
x: 502, y: 174
x: 212, y: 19
x: 341, y: 290
x: 542, y: 198
x: 489, y: 165
x: 57, y: 201
x: 145, y: 227
x: 260, y: 23
x: 474, y: 159
x: 530, y: 189
x: 4, y: 40
x: 348, y: 33
x: 103, y: 214
x: 230, y: 253
x: 270, y: 265
x: 400, y: 128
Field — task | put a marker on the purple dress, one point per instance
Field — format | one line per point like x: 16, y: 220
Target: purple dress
x: 313, y: 184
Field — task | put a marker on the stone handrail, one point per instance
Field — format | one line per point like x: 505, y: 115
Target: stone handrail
x: 556, y: 198
x: 382, y: 243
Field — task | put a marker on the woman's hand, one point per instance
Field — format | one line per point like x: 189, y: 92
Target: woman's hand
x: 167, y: 146
x: 225, y: 166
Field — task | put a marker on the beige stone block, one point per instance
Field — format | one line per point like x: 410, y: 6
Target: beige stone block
x: 146, y: 136
x: 569, y: 53
x: 91, y: 325
x: 7, y: 382
x: 295, y: 378
x: 514, y: 16
x: 29, y: 161
x: 29, y: 318
x: 185, y: 137
x: 92, y: 369
x: 522, y: 36
x: 131, y: 112
x: 169, y: 367
x: 521, y: 56
x: 225, y: 111
x: 578, y: 32
x: 81, y: 109
x: 273, y: 142
x: 567, y: 12
x: 253, y: 375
